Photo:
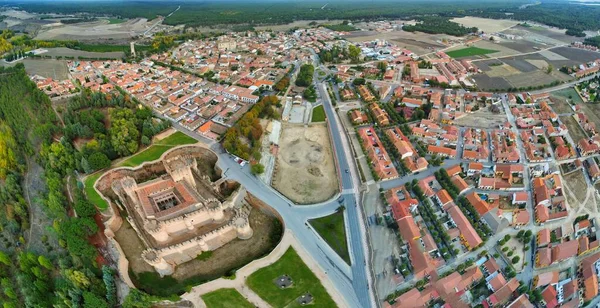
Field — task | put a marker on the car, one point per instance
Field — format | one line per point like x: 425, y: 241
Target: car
x: 347, y: 171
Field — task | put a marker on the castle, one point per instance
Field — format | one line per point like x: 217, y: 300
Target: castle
x: 178, y: 216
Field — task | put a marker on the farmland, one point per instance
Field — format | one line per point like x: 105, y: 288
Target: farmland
x: 469, y: 52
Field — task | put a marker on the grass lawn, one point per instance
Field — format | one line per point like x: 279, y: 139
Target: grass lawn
x: 157, y: 149
x: 569, y: 94
x: 92, y: 194
x: 225, y: 298
x: 115, y: 21
x: 303, y: 280
x: 331, y: 229
x: 318, y: 114
x: 469, y: 51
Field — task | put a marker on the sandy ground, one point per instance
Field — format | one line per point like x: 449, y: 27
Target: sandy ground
x: 98, y: 29
x: 486, y: 25
x: 575, y: 183
x: 305, y: 170
x: 575, y: 129
x: 482, y: 118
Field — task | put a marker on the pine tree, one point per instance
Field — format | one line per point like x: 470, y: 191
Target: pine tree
x: 85, y: 165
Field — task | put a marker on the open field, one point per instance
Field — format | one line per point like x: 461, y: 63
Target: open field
x: 569, y: 94
x: 223, y: 261
x: 305, y: 170
x: 297, y: 23
x: 503, y: 70
x: 318, y: 114
x: 303, y: 281
x: 101, y: 29
x: 226, y: 298
x: 482, y: 119
x: 575, y: 183
x: 55, y: 69
x: 157, y: 149
x: 332, y: 229
x: 485, y: 24
x: 469, y: 51
x: 67, y: 52
x: 575, y: 130
x: 536, y: 78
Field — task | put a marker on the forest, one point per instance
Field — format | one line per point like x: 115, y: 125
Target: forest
x: 433, y: 25
x: 70, y: 273
x: 594, y: 41
x: 214, y: 13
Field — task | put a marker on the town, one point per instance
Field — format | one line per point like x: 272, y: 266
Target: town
x: 391, y: 177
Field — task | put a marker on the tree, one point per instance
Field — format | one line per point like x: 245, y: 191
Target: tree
x: 138, y: 299
x: 8, y: 145
x: 111, y: 288
x: 123, y: 132
x: 5, y: 258
x: 515, y: 260
x: 91, y: 300
x: 145, y: 140
x: 257, y: 169
x: 99, y: 160
x: 354, y: 53
x: 549, y: 69
x: 45, y: 262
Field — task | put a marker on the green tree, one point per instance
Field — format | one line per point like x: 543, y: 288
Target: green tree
x: 99, y: 161
x: 45, y: 262
x: 354, y: 53
x: 8, y: 145
x: 91, y: 300
x: 123, y: 132
x: 257, y: 168
x: 138, y: 299
x: 5, y: 258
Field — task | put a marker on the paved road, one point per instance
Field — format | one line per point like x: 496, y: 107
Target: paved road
x: 351, y: 282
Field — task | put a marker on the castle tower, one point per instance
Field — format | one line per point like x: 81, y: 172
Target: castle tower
x: 161, y: 266
x: 180, y: 169
x: 155, y: 229
x: 132, y: 47
x: 242, y: 226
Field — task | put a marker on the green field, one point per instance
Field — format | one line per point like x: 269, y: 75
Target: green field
x: 469, y: 51
x: 568, y: 93
x: 157, y: 149
x: 92, y: 194
x: 225, y: 298
x: 331, y: 228
x: 318, y: 114
x: 112, y: 21
x: 304, y: 280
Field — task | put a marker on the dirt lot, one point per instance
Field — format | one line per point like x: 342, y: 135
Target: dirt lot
x: 482, y: 118
x: 486, y: 25
x: 560, y: 105
x: 576, y: 184
x: 305, y: 170
x: 485, y: 82
x: 503, y: 70
x: 575, y: 130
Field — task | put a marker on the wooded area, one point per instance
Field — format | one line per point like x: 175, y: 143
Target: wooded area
x: 71, y: 274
